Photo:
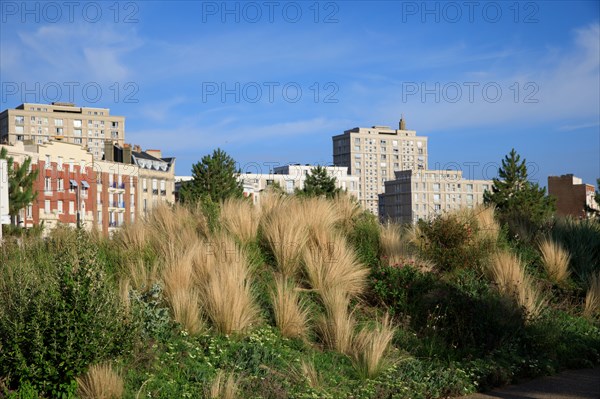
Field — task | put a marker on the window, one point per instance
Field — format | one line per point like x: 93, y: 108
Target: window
x: 48, y: 162
x: 289, y: 186
x: 60, y: 207
x: 77, y: 132
x: 356, y: 148
x: 48, y: 185
x: 485, y: 187
x: 144, y: 185
x: 59, y: 130
x: 29, y: 212
x: 58, y: 122
x: 99, y: 217
x: 77, y: 123
x: 59, y: 163
x: 47, y: 206
x: 469, y: 198
x: 436, y: 198
x: 356, y: 140
x: 395, y: 143
x: 115, y: 124
x: 71, y: 207
x: 469, y: 188
x: 19, y: 119
x: 60, y: 185
x: 77, y: 140
x: 436, y: 187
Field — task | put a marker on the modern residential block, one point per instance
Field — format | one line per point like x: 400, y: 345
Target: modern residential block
x: 422, y: 194
x: 573, y: 197
x: 42, y: 123
x: 374, y: 154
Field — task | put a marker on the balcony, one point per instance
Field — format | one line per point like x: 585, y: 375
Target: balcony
x: 116, y: 186
x: 163, y: 192
x: 154, y: 192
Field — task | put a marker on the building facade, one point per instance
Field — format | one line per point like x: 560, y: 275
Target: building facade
x: 43, y: 123
x: 422, y: 194
x: 374, y: 154
x: 157, y: 178
x: 573, y: 197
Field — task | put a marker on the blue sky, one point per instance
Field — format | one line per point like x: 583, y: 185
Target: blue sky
x: 271, y: 82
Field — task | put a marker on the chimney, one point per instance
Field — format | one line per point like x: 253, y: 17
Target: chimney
x: 155, y: 153
x: 127, y: 154
x: 137, y: 148
x: 109, y: 152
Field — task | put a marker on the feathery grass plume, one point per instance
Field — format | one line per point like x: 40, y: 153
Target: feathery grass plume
x: 391, y: 241
x: 226, y: 295
x: 269, y: 201
x: 489, y: 228
x: 319, y: 217
x: 415, y: 236
x: 592, y: 297
x: 335, y: 266
x: 203, y: 261
x: 100, y: 382
x: 140, y: 275
x: 507, y: 271
x: 291, y: 313
x: 286, y: 235
x: 240, y: 218
x: 186, y: 311
x: 223, y: 386
x: 346, y: 209
x: 310, y: 373
x: 124, y: 288
x: 133, y: 236
x: 555, y: 259
x: 337, y: 324
x: 370, y: 347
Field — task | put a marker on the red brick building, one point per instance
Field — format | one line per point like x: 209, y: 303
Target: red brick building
x: 573, y: 197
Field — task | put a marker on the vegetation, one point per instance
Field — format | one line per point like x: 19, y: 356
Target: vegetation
x: 517, y: 200
x: 214, y: 178
x: 318, y: 183
x: 20, y: 184
x: 300, y: 297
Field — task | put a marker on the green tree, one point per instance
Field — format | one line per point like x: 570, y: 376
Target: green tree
x: 20, y: 184
x: 214, y: 178
x: 318, y: 183
x: 515, y: 197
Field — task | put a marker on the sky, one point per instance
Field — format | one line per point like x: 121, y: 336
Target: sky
x: 270, y: 82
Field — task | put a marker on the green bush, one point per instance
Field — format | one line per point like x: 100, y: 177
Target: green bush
x: 58, y: 317
x: 365, y: 238
x: 452, y: 243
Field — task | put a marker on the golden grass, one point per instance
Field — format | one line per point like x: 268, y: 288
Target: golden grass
x: 100, y: 382
x: 318, y: 215
x: 508, y: 272
x: 240, y: 218
x: 334, y: 266
x: 226, y: 295
x: 337, y: 324
x: 186, y: 311
x: 141, y: 277
x: 291, y: 314
x: 223, y: 386
x: 370, y: 347
x: 310, y: 373
x: 346, y: 209
x: 555, y: 259
x: 269, y: 201
x: 286, y: 236
x: 391, y: 241
x: 489, y: 228
x: 592, y: 297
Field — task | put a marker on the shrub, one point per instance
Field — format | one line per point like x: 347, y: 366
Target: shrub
x: 100, y: 382
x: 60, y: 315
x: 365, y: 238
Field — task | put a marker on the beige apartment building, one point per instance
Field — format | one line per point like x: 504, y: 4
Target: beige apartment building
x: 374, y: 154
x: 423, y: 194
x: 42, y: 123
x: 157, y: 178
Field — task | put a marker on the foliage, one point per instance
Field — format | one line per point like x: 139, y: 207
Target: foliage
x: 365, y: 238
x: 214, y: 178
x: 515, y: 197
x: 20, y: 183
x: 58, y: 317
x: 319, y: 183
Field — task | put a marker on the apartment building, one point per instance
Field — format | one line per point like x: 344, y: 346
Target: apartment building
x: 292, y: 177
x: 43, y: 123
x: 422, y: 194
x: 374, y: 154
x: 71, y: 184
x: 573, y: 197
x: 157, y: 177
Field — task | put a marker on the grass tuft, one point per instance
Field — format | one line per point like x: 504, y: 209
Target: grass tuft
x: 370, y: 347
x: 291, y: 314
x: 592, y: 297
x: 556, y: 260
x: 100, y: 382
x: 223, y: 386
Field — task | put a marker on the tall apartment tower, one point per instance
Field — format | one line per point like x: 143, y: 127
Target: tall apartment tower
x: 374, y: 154
x: 42, y: 123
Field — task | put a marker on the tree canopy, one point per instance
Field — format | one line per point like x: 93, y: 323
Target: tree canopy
x: 515, y: 197
x: 214, y: 178
x: 318, y: 183
x: 20, y: 184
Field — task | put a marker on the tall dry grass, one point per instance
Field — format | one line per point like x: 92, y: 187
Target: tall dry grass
x: 270, y: 201
x: 309, y: 372
x: 508, y: 273
x: 347, y: 209
x: 100, y: 382
x: 286, y: 235
x: 370, y: 347
x: 223, y: 386
x: 555, y: 260
x: 318, y: 215
x: 240, y: 218
x: 334, y: 266
x: 592, y: 297
x: 226, y: 293
x: 337, y: 325
x: 488, y: 226
x: 291, y: 313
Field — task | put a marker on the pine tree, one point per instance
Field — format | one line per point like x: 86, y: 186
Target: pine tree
x: 515, y: 196
x: 318, y: 183
x: 20, y: 184
x: 214, y: 178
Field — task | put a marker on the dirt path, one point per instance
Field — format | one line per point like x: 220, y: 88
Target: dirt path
x: 572, y: 384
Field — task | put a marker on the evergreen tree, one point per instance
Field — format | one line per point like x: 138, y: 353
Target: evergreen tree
x: 318, y: 183
x: 214, y: 179
x: 20, y: 185
x: 515, y: 197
